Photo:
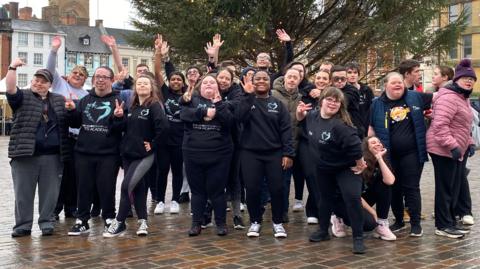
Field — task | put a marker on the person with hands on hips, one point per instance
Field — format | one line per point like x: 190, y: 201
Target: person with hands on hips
x: 448, y: 141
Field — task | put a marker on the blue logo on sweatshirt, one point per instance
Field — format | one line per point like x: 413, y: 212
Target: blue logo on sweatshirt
x: 272, y: 107
x: 92, y: 108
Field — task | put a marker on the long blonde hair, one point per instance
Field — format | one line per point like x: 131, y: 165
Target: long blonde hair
x: 342, y: 113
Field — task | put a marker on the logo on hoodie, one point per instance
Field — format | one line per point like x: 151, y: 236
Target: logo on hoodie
x: 96, y: 112
x: 324, y: 137
x: 272, y: 107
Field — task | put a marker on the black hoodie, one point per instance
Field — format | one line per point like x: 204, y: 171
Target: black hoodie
x: 352, y: 98
x: 172, y: 110
x: 100, y: 132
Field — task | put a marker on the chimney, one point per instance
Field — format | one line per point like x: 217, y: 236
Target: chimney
x: 98, y: 23
x: 13, y: 9
x: 25, y: 13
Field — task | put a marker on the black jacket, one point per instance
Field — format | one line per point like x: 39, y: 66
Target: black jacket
x: 352, y: 98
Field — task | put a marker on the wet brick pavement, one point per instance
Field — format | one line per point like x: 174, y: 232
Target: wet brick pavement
x: 168, y: 246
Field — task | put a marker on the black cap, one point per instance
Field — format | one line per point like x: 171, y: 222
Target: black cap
x: 45, y: 74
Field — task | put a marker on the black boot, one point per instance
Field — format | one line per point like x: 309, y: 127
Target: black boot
x: 319, y: 236
x: 195, y: 230
x: 358, y: 246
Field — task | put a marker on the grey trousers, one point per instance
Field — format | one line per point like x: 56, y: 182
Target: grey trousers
x: 27, y: 172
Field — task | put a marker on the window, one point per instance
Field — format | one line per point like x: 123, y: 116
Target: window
x: 38, y: 59
x: 467, y: 9
x: 453, y: 12
x: 467, y: 46
x: 71, y: 60
x: 86, y: 41
x: 144, y: 61
x: 22, y: 80
x: 453, y: 52
x: 23, y: 39
x: 103, y: 60
x: 23, y: 56
x: 88, y: 61
x: 38, y: 40
x: 125, y: 62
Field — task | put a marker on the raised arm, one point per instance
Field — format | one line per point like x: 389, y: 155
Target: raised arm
x: 161, y: 56
x: 112, y: 43
x: 11, y: 77
x: 283, y: 36
x: 212, y: 50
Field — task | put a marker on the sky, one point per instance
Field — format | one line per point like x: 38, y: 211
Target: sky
x: 115, y: 13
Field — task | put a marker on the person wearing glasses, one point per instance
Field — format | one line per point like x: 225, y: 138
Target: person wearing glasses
x: 71, y: 88
x: 38, y: 145
x: 97, y: 156
x: 336, y: 149
x: 397, y: 119
x: 449, y: 140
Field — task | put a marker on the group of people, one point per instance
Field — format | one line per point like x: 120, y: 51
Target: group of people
x: 243, y: 138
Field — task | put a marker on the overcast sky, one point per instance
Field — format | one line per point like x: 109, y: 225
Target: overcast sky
x: 115, y: 13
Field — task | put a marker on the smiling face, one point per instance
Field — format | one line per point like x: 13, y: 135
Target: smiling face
x: 208, y: 87
x: 394, y: 87
x: 76, y: 78
x: 375, y: 146
x: 143, y: 87
x: 330, y: 106
x: 224, y: 79
x: 193, y: 75
x: 176, y: 83
x: 261, y: 81
x: 322, y: 80
x: 102, y: 80
x: 40, y: 85
x: 263, y: 60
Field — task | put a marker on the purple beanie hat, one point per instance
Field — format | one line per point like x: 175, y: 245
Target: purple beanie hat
x: 464, y: 69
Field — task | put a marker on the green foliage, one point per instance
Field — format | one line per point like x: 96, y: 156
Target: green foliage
x: 338, y: 30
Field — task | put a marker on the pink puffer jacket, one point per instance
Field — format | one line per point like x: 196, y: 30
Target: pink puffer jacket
x: 451, y: 124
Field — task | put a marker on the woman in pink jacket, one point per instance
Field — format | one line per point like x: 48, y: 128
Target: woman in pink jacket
x: 448, y: 140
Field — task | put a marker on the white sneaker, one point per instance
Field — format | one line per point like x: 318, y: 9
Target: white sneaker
x: 383, y: 231
x: 174, y: 207
x: 338, y: 228
x: 279, y: 231
x: 254, y: 230
x: 242, y: 207
x: 468, y: 220
x: 142, y: 227
x: 312, y: 220
x: 297, y: 206
x: 159, y: 209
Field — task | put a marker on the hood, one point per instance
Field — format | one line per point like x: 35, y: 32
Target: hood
x: 279, y: 87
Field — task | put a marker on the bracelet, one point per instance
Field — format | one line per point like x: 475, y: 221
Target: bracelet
x: 12, y: 68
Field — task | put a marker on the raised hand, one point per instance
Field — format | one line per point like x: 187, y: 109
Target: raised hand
x: 56, y: 42
x: 17, y: 62
x: 210, y: 50
x: 165, y: 48
x: 118, y: 112
x: 121, y: 75
x: 148, y: 147
x: 217, y: 41
x: 158, y: 42
x: 379, y: 155
x: 282, y: 35
x: 109, y: 40
x: 302, y: 107
x: 315, y: 93
x: 69, y: 104
x: 247, y: 85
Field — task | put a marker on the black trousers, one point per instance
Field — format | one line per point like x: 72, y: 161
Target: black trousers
x: 67, y: 198
x: 308, y: 167
x: 100, y: 171
x: 170, y: 157
x: 298, y: 177
x: 207, y: 175
x: 408, y: 171
x: 379, y: 194
x: 134, y: 187
x: 448, y: 180
x: 256, y: 167
x: 340, y: 210
x: 350, y: 186
x: 464, y: 204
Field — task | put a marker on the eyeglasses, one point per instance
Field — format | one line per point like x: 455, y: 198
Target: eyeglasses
x: 263, y: 57
x: 99, y: 77
x: 339, y: 79
x: 332, y: 100
x: 192, y: 72
x: 469, y: 79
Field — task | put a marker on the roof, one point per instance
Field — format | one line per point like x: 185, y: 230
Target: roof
x: 34, y: 26
x: 76, y: 32
x: 120, y: 35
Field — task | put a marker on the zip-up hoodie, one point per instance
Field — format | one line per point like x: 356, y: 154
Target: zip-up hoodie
x: 100, y: 132
x: 290, y: 101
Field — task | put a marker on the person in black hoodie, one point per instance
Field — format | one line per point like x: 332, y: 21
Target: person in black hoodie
x: 207, y: 151
x: 170, y: 154
x: 336, y: 149
x: 266, y: 145
x: 96, y: 151
x: 352, y: 97
x: 143, y: 129
x: 365, y: 93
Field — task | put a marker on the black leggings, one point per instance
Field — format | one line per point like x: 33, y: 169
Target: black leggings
x: 170, y: 158
x: 100, y: 171
x: 308, y: 166
x: 408, y: 171
x: 379, y: 194
x: 207, y: 175
x: 340, y: 210
x: 256, y: 167
x: 67, y: 198
x: 134, y: 187
x: 464, y: 204
x: 350, y: 186
x: 298, y: 177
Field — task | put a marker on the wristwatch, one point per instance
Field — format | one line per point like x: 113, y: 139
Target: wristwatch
x: 12, y: 68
